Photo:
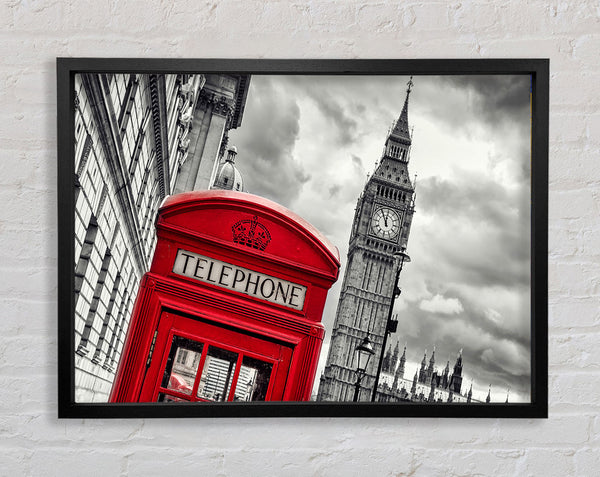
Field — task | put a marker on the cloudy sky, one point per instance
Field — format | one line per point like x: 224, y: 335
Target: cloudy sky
x: 309, y: 142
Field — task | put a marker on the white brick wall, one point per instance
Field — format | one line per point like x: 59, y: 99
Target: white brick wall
x: 35, y: 443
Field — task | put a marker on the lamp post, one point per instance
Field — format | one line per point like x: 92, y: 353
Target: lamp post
x: 390, y: 325
x: 363, y: 351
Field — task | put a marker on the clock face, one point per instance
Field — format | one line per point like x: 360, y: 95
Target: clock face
x: 385, y: 223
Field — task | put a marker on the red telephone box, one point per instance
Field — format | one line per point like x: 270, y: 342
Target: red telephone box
x: 231, y: 307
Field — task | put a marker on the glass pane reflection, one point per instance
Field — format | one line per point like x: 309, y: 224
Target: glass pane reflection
x: 253, y: 381
x: 217, y: 374
x: 182, y: 365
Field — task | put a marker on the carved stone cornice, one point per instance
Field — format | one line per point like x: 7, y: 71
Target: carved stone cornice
x: 159, y: 122
x: 220, y: 104
x: 223, y: 107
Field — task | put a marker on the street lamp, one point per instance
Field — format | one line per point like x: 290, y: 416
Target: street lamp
x: 363, y: 351
x: 390, y: 325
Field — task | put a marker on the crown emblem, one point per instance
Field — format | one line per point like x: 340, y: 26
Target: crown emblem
x: 251, y: 234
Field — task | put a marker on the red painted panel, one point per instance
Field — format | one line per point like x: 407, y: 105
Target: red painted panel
x: 286, y: 235
x: 238, y: 273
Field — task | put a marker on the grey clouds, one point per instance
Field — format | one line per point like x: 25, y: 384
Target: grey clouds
x: 308, y: 142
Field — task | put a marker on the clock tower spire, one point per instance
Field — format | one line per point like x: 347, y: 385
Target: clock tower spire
x: 381, y: 228
x: 400, y: 130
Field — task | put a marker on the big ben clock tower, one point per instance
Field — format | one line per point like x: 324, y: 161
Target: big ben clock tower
x: 381, y: 227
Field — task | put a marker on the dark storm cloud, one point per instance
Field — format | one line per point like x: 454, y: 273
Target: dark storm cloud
x: 491, y: 355
x: 342, y: 121
x: 523, y: 164
x: 457, y: 208
x: 454, y: 329
x: 498, y: 97
x: 347, y: 100
x: 471, y: 105
x: 357, y: 163
x: 334, y: 190
x: 266, y: 142
x: 479, y: 200
x: 477, y: 317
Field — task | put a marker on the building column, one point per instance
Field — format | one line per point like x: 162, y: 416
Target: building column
x: 209, y: 125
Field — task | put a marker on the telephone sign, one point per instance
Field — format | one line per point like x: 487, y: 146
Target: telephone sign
x: 240, y: 279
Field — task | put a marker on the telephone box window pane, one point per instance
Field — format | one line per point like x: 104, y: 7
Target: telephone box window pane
x: 182, y: 365
x: 217, y: 374
x: 253, y: 381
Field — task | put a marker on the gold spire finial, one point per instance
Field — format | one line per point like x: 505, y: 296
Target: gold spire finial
x: 410, y: 85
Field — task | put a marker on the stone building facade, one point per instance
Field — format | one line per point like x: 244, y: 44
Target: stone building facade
x: 380, y: 229
x: 138, y: 138
x: 428, y: 385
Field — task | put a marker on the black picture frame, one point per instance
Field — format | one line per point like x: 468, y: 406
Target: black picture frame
x: 538, y: 69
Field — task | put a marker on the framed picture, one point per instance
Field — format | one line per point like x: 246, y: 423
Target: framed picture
x: 302, y: 238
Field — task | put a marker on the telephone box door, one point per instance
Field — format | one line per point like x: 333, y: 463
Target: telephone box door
x: 194, y: 360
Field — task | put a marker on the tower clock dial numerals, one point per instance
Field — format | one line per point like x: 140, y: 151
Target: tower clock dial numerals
x: 385, y: 223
